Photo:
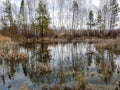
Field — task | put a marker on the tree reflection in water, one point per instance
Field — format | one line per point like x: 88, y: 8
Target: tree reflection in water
x: 73, y: 64
x: 105, y: 64
x: 39, y: 67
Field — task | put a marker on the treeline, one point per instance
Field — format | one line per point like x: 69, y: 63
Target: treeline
x: 32, y: 19
x: 23, y: 23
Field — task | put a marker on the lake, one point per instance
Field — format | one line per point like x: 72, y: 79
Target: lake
x: 61, y: 65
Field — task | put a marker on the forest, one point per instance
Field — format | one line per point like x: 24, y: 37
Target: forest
x: 59, y: 44
x: 60, y: 18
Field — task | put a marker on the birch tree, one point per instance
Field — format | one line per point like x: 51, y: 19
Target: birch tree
x: 75, y: 15
x: 61, y: 13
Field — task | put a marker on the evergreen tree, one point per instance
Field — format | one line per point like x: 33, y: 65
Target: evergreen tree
x: 99, y: 20
x: 8, y: 12
x: 42, y: 18
x: 114, y: 7
x: 21, y: 15
x: 105, y: 12
x: 22, y: 7
x: 91, y: 20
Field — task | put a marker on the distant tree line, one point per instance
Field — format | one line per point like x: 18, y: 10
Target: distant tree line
x: 33, y: 18
x: 36, y: 24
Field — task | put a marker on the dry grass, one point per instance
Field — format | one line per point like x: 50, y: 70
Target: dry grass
x: 112, y: 45
x: 5, y: 39
x: 10, y: 52
x: 16, y: 57
x: 24, y: 87
x: 109, y: 44
x: 81, y: 82
x: 13, y: 56
x: 45, y: 67
x: 7, y: 45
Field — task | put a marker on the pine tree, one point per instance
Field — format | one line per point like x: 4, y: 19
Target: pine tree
x: 21, y: 17
x: 8, y: 12
x: 91, y: 20
x: 114, y: 7
x: 22, y: 7
x: 99, y: 20
x: 42, y: 18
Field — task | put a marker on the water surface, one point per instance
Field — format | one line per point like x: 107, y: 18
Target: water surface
x: 64, y: 63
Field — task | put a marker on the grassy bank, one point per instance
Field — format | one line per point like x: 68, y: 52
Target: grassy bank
x: 20, y: 35
x: 112, y: 45
x: 62, y: 36
x: 4, y: 39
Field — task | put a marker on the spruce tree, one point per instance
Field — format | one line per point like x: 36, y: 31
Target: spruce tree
x: 8, y: 12
x: 42, y: 18
x: 114, y: 7
x: 99, y: 20
x: 91, y: 20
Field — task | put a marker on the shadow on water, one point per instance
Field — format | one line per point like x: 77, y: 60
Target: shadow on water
x: 71, y: 66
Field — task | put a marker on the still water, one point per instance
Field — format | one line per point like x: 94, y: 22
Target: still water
x: 62, y: 65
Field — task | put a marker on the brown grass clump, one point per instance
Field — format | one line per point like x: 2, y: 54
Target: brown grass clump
x: 1, y: 55
x: 5, y: 39
x: 15, y: 57
x: 110, y: 44
x: 81, y: 82
x: 113, y: 45
x: 24, y: 87
x: 45, y: 67
x: 10, y: 52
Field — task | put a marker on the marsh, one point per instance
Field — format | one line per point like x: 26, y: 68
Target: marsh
x: 61, y: 65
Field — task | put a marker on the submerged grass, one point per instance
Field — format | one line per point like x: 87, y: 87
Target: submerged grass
x: 45, y: 68
x: 15, y: 57
x: 112, y: 45
x: 10, y: 51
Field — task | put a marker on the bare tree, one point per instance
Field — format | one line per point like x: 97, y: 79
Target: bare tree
x: 61, y: 12
x: 75, y: 15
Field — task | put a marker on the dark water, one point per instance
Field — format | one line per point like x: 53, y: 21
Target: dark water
x: 64, y: 63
